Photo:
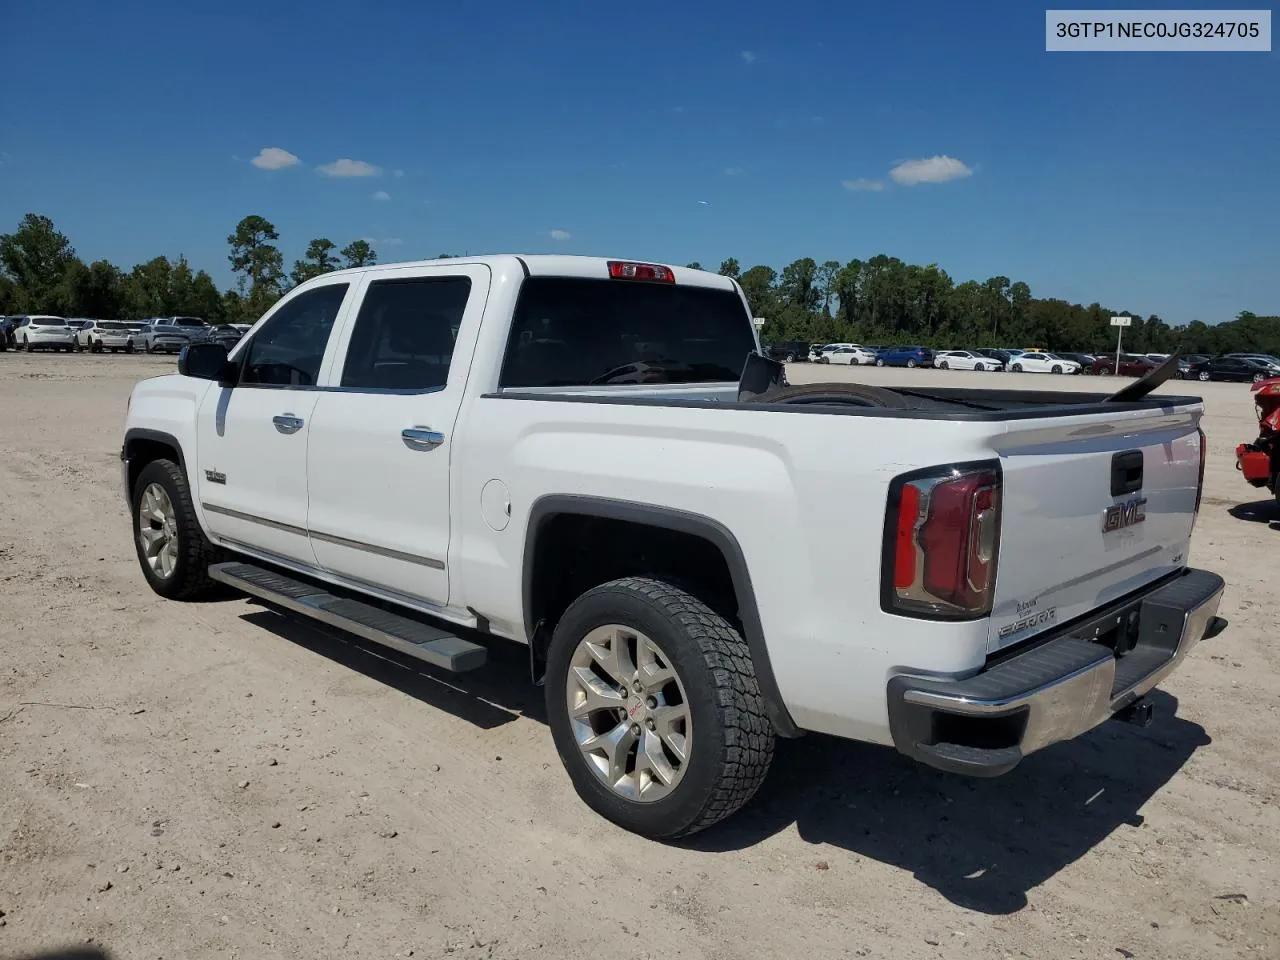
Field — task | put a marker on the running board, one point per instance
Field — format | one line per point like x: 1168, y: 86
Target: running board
x: 410, y: 636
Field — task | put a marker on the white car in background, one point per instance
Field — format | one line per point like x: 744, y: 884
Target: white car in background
x: 42, y: 332
x: 964, y: 360
x: 100, y: 335
x: 1040, y: 362
x: 851, y: 354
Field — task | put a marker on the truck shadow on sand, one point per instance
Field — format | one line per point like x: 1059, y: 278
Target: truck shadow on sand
x: 982, y: 844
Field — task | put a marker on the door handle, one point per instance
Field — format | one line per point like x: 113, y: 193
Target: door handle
x: 420, y: 438
x: 287, y: 423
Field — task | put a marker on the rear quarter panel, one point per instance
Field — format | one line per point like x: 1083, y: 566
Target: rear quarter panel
x: 803, y: 494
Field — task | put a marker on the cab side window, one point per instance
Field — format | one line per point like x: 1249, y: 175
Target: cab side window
x: 289, y: 347
x: 404, y: 334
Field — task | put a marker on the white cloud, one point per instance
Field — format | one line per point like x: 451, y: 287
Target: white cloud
x: 274, y: 158
x: 398, y: 173
x: 381, y: 195
x: 734, y: 171
x: 748, y: 56
x: 349, y: 168
x: 862, y: 183
x: 560, y: 235
x: 937, y: 169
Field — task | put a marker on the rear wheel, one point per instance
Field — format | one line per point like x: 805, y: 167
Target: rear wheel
x: 655, y: 709
x: 789, y: 358
x: 1259, y: 377
x: 1017, y: 368
x: 172, y: 549
x: 1203, y: 375
x: 941, y: 366
x: 911, y: 363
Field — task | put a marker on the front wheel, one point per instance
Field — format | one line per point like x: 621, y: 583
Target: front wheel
x: 655, y: 709
x: 879, y: 363
x: 172, y: 549
x: 1055, y: 369
x: 1204, y: 375
x: 1259, y: 377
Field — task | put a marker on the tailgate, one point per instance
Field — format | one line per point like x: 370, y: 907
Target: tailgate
x: 1094, y: 507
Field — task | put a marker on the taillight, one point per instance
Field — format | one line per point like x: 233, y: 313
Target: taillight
x: 626, y: 270
x: 943, y: 528
x: 1204, y: 453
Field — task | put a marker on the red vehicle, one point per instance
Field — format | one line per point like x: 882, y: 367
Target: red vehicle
x: 1260, y: 461
x: 1131, y: 365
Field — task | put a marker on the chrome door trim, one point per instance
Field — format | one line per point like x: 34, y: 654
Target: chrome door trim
x: 250, y: 518
x: 431, y: 562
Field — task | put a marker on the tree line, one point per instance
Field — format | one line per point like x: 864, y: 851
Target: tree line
x: 881, y: 300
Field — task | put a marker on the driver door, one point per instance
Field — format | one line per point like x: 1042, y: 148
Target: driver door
x: 252, y: 438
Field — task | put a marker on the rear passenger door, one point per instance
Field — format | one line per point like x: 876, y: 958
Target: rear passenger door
x: 381, y: 443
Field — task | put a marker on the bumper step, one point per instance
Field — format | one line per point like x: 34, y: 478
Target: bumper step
x: 405, y: 634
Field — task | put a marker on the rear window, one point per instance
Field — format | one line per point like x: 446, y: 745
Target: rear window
x: 111, y: 325
x: 47, y: 322
x: 579, y: 332
x: 188, y: 322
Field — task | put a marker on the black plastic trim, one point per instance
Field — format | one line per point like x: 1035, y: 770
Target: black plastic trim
x: 1126, y: 472
x: 684, y: 522
x: 156, y: 436
x: 888, y: 546
x: 1022, y: 404
x: 523, y: 266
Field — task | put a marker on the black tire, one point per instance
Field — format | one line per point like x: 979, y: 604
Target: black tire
x: 190, y: 577
x: 879, y: 363
x: 26, y: 346
x: 1204, y: 375
x: 732, y: 738
x: 911, y: 364
x: 128, y: 348
x: 942, y: 366
x: 789, y: 358
x: 1055, y: 369
x: 1017, y: 368
x: 1259, y: 377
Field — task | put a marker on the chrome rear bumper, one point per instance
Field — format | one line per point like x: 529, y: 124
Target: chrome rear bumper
x: 1060, y: 688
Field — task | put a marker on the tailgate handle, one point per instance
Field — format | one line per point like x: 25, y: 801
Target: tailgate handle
x: 1126, y: 472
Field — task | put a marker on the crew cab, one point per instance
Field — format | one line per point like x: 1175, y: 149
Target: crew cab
x: 583, y: 456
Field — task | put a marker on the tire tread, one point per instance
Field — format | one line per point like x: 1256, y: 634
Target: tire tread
x: 197, y: 552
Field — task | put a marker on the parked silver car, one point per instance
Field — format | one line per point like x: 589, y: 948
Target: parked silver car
x: 171, y: 334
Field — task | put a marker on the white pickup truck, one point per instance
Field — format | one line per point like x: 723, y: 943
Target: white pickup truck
x: 561, y: 452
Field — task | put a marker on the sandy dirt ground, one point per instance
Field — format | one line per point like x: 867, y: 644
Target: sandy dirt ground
x: 214, y: 780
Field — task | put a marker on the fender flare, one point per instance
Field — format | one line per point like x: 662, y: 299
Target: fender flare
x: 714, y: 532
x: 134, y: 434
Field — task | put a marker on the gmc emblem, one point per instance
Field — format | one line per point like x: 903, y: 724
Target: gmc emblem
x: 1121, y: 515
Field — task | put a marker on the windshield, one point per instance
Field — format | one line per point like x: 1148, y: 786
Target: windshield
x: 188, y: 322
x: 577, y: 332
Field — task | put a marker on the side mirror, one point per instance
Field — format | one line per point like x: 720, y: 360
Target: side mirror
x: 206, y: 361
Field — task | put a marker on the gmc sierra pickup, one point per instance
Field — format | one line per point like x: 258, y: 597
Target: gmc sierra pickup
x: 563, y: 452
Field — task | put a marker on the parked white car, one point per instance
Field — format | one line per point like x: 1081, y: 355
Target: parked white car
x: 445, y: 456
x: 1039, y: 362
x: 964, y: 360
x: 99, y: 335
x: 849, y: 353
x: 43, y: 332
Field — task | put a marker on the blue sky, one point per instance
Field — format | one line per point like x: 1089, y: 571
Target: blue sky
x: 1144, y: 181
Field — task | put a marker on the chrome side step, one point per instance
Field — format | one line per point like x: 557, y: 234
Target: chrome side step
x: 410, y: 636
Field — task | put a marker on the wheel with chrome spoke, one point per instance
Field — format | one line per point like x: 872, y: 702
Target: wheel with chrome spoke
x: 655, y: 709
x: 172, y: 549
